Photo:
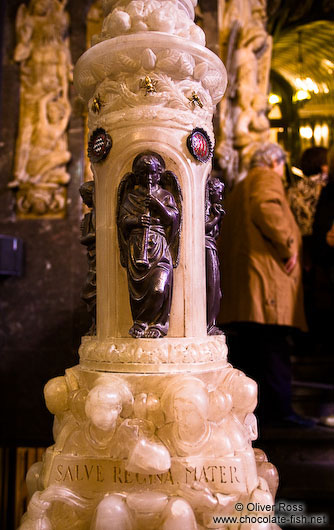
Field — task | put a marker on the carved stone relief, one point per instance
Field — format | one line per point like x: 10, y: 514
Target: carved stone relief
x: 126, y: 95
x: 40, y: 175
x: 150, y: 76
x: 171, y: 451
x: 246, y: 51
x: 168, y: 16
x: 94, y: 353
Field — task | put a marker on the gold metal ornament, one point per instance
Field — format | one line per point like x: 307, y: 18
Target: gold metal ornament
x: 148, y: 84
x: 97, y: 104
x: 195, y: 100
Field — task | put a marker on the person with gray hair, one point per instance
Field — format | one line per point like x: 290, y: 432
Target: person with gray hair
x: 261, y: 283
x: 266, y: 155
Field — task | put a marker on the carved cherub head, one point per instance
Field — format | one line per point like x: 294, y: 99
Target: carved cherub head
x: 41, y: 7
x: 103, y: 406
x: 106, y: 401
x: 87, y: 193
x: 216, y: 190
x: 186, y: 404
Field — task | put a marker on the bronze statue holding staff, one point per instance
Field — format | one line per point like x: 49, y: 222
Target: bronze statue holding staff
x: 148, y: 218
x: 213, y: 216
x: 88, y: 238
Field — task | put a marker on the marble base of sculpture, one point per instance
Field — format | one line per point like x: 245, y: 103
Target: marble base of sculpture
x: 147, y: 444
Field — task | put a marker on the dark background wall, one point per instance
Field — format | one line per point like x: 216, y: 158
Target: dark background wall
x: 41, y: 314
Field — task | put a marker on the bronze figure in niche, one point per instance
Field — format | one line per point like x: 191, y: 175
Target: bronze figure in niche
x: 88, y: 238
x: 149, y: 218
x: 213, y: 215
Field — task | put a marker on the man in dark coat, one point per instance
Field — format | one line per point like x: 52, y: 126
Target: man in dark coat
x: 261, y: 280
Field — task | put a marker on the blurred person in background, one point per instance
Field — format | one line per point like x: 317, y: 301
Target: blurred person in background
x: 303, y: 198
x: 261, y: 282
x: 323, y: 260
x: 304, y: 193
x: 323, y: 252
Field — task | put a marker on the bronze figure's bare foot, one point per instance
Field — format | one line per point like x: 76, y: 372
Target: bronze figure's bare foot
x: 137, y: 331
x: 153, y: 333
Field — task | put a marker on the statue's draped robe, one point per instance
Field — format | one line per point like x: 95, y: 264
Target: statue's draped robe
x: 150, y: 286
x: 213, y: 293
x: 88, y: 238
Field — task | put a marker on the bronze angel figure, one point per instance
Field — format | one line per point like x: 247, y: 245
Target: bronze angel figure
x: 149, y: 221
x: 213, y: 216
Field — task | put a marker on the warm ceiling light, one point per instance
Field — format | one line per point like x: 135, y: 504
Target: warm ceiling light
x: 306, y: 84
x: 306, y: 132
x: 317, y: 134
x: 301, y: 95
x: 328, y: 65
x: 274, y: 99
x: 325, y: 133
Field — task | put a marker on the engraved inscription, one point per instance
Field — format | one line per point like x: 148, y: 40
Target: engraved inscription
x: 225, y: 474
x: 104, y: 474
x: 78, y: 472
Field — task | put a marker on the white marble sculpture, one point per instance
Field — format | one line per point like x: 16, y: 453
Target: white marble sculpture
x: 40, y: 175
x: 150, y: 431
x: 246, y: 51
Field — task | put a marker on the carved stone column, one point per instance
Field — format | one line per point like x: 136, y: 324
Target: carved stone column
x: 137, y: 118
x: 152, y: 430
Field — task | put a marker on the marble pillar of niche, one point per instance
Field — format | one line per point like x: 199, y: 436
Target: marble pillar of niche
x: 246, y: 51
x: 149, y: 82
x: 42, y: 51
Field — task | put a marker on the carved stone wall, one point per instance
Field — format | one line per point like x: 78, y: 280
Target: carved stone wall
x: 42, y: 155
x: 42, y: 315
x: 245, y: 48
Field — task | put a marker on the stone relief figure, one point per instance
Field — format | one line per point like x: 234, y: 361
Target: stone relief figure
x: 191, y: 428
x: 213, y: 215
x: 148, y: 218
x: 88, y: 238
x: 98, y: 421
x: 42, y: 153
x: 108, y: 402
x: 200, y: 424
x: 251, y: 124
x: 246, y: 50
x: 266, y: 470
x: 243, y: 391
x: 152, y: 15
